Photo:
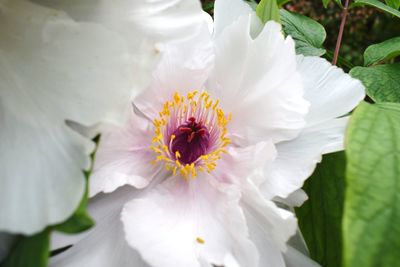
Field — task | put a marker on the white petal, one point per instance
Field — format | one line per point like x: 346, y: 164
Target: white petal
x: 52, y: 69
x: 104, y: 245
x: 297, y: 158
x: 294, y: 258
x: 276, y: 223
x: 142, y: 23
x: 183, y: 222
x: 242, y: 162
x: 184, y: 67
x: 295, y: 199
x: 258, y: 82
x: 331, y: 92
x: 228, y: 11
x: 124, y: 157
x: 270, y: 254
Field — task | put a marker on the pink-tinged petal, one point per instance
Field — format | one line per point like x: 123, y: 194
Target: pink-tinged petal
x: 104, y: 245
x: 257, y: 81
x: 184, y: 67
x: 297, y: 158
x: 124, y: 157
x: 185, y: 223
x: 331, y: 92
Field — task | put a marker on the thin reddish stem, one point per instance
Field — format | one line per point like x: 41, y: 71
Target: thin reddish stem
x: 340, y: 35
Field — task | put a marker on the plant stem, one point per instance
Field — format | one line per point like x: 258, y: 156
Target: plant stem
x: 340, y: 35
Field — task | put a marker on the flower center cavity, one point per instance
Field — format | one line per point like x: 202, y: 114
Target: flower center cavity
x: 190, y: 134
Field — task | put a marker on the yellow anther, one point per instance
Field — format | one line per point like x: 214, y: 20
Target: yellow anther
x: 177, y: 112
x: 200, y: 240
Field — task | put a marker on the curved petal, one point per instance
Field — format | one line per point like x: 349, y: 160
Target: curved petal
x: 51, y: 71
x: 331, y: 92
x: 184, y: 67
x: 243, y: 162
x: 228, y: 11
x: 297, y: 158
x: 270, y: 254
x: 276, y: 223
x: 124, y: 157
x: 257, y: 81
x: 142, y: 23
x: 104, y: 245
x: 183, y: 223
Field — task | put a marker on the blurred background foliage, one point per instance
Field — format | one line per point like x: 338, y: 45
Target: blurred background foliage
x: 364, y: 26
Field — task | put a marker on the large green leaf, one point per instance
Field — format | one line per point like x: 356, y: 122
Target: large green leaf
x: 393, y: 3
x: 377, y: 4
x: 382, y: 81
x: 371, y: 228
x: 383, y: 51
x: 308, y: 34
x: 268, y: 10
x: 320, y: 218
x: 30, y: 251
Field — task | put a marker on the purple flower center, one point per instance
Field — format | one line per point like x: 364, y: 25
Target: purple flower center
x: 191, y: 141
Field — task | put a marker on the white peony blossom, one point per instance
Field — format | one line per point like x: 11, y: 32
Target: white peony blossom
x: 78, y: 61
x: 229, y: 124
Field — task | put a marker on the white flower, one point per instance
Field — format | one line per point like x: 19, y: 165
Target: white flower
x: 78, y: 61
x: 229, y: 124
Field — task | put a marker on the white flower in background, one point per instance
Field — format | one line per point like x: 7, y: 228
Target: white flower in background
x: 229, y: 124
x: 77, y: 61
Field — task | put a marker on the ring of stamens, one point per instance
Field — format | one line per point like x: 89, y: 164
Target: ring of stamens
x: 202, y: 122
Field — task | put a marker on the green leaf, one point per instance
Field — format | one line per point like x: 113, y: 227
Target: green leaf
x: 308, y: 34
x: 29, y: 251
x: 80, y: 220
x: 268, y: 10
x: 382, y: 81
x: 325, y: 3
x: 393, y: 3
x: 282, y: 2
x: 371, y: 228
x: 377, y: 4
x: 383, y: 51
x: 320, y: 218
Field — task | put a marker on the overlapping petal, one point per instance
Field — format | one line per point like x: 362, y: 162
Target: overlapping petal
x: 124, y: 157
x: 105, y: 244
x: 200, y: 220
x: 49, y: 74
x: 142, y: 23
x: 332, y: 94
x: 257, y: 81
